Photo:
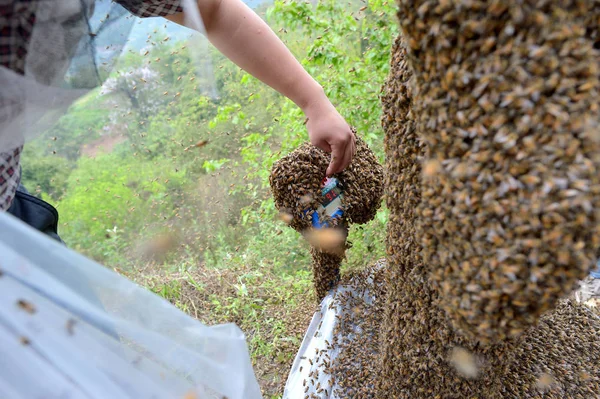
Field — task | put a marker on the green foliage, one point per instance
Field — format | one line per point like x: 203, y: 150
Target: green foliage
x: 110, y: 192
x: 82, y: 124
x: 196, y: 168
x: 46, y: 174
x: 351, y: 57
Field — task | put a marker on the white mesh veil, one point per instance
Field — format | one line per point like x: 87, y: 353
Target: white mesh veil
x: 73, y: 47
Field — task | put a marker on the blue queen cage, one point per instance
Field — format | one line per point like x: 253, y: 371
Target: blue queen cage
x: 330, y: 204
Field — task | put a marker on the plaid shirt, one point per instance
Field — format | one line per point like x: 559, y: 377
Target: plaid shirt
x: 17, y: 19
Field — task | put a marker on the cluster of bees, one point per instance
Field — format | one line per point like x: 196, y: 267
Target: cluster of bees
x: 430, y: 291
x: 326, y: 270
x: 357, y: 333
x: 507, y: 106
x: 296, y: 182
x: 406, y: 344
x: 492, y: 158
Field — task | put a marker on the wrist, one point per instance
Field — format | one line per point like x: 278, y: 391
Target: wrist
x: 313, y: 99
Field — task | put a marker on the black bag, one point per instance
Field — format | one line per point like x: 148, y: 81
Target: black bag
x: 37, y: 213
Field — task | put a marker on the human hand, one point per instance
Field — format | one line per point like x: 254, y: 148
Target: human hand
x: 328, y: 130
x: 241, y: 35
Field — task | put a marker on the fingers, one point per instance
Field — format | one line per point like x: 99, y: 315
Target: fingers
x: 324, y: 145
x: 336, y: 160
x: 341, y: 156
x: 349, y: 155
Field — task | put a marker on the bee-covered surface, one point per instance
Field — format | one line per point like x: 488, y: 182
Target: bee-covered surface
x: 507, y: 106
x: 418, y: 334
x: 296, y: 181
x: 341, y: 353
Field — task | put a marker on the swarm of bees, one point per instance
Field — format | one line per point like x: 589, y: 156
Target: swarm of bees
x: 326, y: 270
x: 491, y: 120
x: 504, y: 353
x: 296, y: 185
x: 344, y: 364
x: 507, y: 106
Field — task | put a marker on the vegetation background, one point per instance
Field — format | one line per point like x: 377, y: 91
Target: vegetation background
x: 169, y: 187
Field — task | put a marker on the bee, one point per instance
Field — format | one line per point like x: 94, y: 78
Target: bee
x: 70, y: 326
x: 201, y: 143
x: 26, y: 306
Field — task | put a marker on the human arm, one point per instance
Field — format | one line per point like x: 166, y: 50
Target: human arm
x: 242, y: 36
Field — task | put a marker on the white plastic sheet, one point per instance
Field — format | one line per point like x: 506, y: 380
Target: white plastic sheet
x: 70, y: 328
x: 319, y: 343
x: 589, y: 291
x: 314, y: 340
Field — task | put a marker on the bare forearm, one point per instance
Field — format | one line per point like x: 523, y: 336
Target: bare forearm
x: 249, y: 42
x: 240, y: 34
x: 243, y: 37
